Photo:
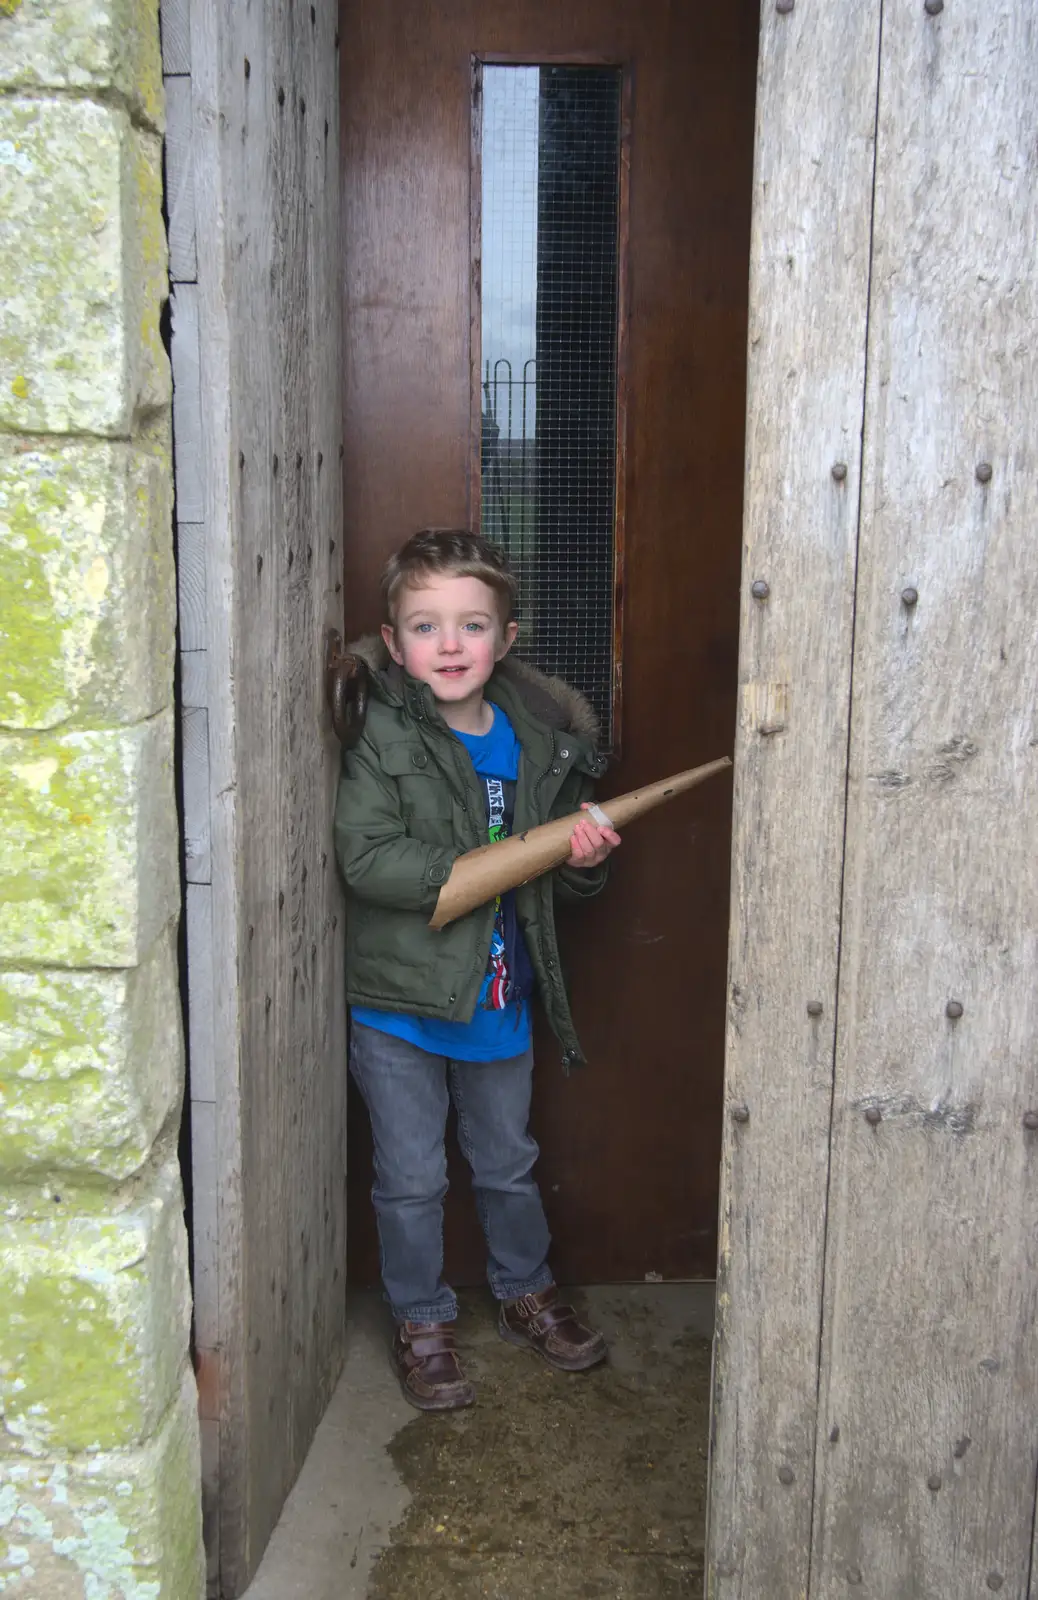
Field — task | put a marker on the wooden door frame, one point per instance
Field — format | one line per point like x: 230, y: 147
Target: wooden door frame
x: 252, y: 187
x: 209, y: 55
x: 800, y: 531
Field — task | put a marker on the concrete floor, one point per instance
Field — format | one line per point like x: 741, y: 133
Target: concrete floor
x: 560, y: 1485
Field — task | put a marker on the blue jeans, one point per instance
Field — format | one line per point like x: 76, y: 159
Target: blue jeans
x: 407, y: 1092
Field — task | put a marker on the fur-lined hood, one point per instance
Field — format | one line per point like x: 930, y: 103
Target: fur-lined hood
x: 551, y: 700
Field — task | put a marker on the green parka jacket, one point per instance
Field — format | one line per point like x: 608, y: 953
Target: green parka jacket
x: 409, y: 803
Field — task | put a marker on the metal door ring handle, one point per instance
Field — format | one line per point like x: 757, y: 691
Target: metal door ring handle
x: 346, y: 688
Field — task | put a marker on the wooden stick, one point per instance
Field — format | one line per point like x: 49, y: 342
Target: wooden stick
x: 481, y: 875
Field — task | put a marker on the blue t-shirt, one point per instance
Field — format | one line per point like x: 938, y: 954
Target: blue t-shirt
x: 500, y: 1027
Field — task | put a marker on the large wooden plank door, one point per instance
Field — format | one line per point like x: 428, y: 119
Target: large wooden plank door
x: 873, y: 1425
x: 630, y: 1144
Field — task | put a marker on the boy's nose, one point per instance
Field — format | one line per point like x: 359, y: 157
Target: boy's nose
x: 450, y: 643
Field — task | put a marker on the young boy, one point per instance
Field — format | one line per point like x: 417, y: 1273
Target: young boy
x: 461, y: 743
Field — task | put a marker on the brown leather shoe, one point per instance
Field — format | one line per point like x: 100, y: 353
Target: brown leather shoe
x: 543, y: 1323
x: 426, y: 1362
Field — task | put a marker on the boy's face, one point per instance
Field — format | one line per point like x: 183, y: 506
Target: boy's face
x: 449, y: 634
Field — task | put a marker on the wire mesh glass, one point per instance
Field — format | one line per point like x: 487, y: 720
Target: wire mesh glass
x: 549, y: 249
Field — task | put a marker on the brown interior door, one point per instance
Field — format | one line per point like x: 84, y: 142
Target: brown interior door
x: 629, y: 1143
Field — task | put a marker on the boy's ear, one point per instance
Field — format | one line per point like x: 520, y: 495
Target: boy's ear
x: 389, y: 640
x: 508, y: 640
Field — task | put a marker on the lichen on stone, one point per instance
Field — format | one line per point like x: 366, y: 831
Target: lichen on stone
x: 94, y: 1315
x: 88, y: 869
x: 104, y: 45
x: 91, y: 1068
x: 86, y: 584
x: 114, y: 1525
x: 80, y: 219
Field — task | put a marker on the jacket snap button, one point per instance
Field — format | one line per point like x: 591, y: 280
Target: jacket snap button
x: 420, y: 759
x: 550, y: 965
x: 564, y: 754
x: 452, y: 999
x: 437, y: 874
x: 556, y: 770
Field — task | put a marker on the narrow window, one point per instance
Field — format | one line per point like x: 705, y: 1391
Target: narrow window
x: 549, y: 324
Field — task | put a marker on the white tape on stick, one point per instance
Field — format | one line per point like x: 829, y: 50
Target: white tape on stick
x: 599, y: 817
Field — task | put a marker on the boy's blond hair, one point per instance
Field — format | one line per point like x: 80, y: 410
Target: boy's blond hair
x: 449, y: 552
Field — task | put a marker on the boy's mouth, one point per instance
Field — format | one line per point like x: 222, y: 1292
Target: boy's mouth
x: 450, y: 672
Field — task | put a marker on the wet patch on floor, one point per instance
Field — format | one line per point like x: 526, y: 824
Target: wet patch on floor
x: 558, y: 1484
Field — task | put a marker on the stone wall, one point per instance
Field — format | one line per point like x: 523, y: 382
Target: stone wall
x: 99, y: 1466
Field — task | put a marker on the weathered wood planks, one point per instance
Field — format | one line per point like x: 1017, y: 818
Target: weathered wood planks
x: 207, y: 626
x: 927, y: 1438
x: 922, y: 1185
x: 180, y: 191
x: 816, y: 109
x: 260, y: 556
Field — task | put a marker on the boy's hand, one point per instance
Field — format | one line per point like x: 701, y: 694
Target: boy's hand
x: 589, y: 844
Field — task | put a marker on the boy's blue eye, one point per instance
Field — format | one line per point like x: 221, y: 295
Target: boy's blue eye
x: 423, y: 627
x: 475, y: 627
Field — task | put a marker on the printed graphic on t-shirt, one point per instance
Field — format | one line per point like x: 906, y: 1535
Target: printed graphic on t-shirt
x: 499, y: 798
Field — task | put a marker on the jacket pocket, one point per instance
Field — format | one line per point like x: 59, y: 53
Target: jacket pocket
x: 425, y: 796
